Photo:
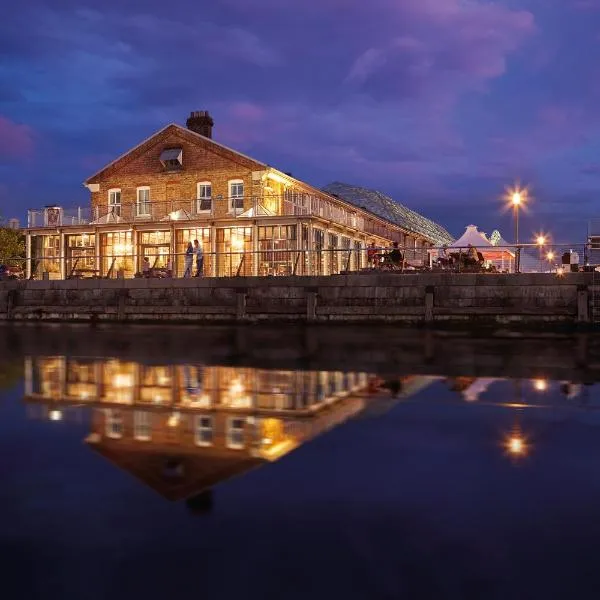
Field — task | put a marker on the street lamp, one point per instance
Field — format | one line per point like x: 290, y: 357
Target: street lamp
x: 541, y: 240
x: 550, y: 258
x: 517, y: 199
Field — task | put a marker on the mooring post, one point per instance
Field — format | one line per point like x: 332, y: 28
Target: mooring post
x: 429, y: 304
x: 240, y: 311
x: 583, y: 304
x: 11, y: 300
x: 311, y: 304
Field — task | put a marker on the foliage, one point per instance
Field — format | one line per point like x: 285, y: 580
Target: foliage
x: 12, y: 243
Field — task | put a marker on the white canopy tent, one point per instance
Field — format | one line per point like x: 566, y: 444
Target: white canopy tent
x: 501, y: 258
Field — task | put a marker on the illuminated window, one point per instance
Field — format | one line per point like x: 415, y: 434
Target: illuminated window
x: 142, y: 426
x: 114, y: 424
x: 143, y: 208
x: 236, y: 195
x: 204, y: 431
x: 204, y: 196
x: 235, y: 433
x: 114, y: 202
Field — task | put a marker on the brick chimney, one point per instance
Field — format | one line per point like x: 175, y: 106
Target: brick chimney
x: 200, y: 122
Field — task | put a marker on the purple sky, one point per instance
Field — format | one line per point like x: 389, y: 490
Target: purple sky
x: 439, y: 103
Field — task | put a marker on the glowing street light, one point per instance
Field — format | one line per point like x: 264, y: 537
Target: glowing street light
x: 517, y: 198
x: 516, y: 445
x: 541, y: 385
x: 540, y: 240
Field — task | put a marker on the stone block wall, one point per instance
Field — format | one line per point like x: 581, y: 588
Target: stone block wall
x: 424, y: 298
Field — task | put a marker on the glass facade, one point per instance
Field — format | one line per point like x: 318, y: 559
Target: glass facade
x: 234, y: 251
x: 45, y: 252
x: 81, y: 255
x: 277, y: 250
x: 182, y: 237
x: 156, y: 247
x: 116, y: 254
x: 249, y: 250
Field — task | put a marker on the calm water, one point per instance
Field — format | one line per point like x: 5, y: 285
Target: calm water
x: 134, y: 472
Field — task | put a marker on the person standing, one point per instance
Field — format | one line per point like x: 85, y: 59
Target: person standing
x: 199, y: 258
x: 189, y: 259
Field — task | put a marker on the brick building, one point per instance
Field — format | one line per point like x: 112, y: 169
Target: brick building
x: 180, y: 185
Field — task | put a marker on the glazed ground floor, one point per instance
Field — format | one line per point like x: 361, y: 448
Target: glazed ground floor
x: 270, y: 246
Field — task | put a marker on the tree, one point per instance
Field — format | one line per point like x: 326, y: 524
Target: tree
x: 12, y: 243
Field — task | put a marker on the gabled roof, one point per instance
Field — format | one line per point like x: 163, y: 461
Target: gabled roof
x: 201, y: 471
x: 386, y: 208
x: 184, y: 131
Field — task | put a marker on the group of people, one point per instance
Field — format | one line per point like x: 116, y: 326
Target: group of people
x: 192, y: 250
x: 471, y: 258
x: 389, y: 257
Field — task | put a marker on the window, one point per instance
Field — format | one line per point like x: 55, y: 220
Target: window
x: 114, y: 202
x: 204, y: 431
x: 143, y: 202
x: 114, y: 424
x: 142, y: 425
x: 235, y: 433
x: 204, y: 196
x: 172, y: 159
x: 236, y: 195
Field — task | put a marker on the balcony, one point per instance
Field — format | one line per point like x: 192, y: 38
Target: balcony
x: 209, y: 208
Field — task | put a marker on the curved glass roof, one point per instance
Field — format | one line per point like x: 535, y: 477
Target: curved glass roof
x: 387, y: 208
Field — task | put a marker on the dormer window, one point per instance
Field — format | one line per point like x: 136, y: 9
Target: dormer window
x: 172, y: 159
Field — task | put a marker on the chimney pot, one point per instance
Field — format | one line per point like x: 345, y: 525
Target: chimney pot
x: 200, y: 122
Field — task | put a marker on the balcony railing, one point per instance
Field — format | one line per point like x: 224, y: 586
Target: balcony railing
x: 197, y: 208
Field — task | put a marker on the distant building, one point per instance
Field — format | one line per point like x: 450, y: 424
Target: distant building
x: 14, y: 224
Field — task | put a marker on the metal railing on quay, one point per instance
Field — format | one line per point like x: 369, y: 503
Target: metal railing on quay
x: 521, y: 258
x: 159, y: 262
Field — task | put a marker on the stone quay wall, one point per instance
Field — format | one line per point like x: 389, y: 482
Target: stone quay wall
x: 416, y: 298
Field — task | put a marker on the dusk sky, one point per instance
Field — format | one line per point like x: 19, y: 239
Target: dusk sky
x: 438, y: 103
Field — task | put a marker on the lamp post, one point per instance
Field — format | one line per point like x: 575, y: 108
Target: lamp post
x: 541, y: 240
x: 516, y: 202
x: 550, y: 258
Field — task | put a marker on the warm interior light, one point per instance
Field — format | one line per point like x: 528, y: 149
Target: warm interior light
x: 122, y: 380
x: 123, y: 249
x: 173, y: 420
x: 278, y: 178
x: 237, y: 242
x: 540, y: 385
x: 236, y: 387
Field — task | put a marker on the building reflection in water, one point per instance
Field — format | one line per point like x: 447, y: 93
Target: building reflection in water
x: 182, y: 429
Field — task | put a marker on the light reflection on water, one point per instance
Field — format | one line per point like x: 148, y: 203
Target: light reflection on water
x: 294, y: 483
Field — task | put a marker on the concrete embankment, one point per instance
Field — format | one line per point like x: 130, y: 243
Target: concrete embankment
x: 525, y: 299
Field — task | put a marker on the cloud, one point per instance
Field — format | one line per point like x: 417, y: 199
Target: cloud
x: 16, y: 141
x: 441, y: 47
x: 590, y: 169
